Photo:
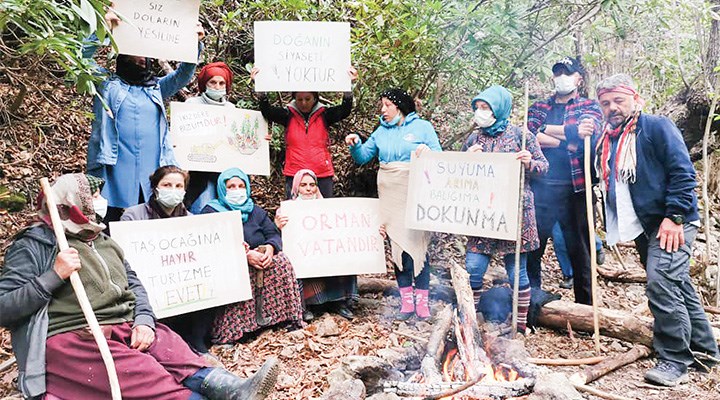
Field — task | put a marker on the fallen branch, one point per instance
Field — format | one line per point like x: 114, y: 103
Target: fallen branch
x: 566, y: 361
x: 7, y: 364
x: 590, y: 374
x: 453, y: 392
x: 712, y: 310
x: 634, y: 275
x: 494, y: 390
x: 600, y: 393
x: 411, y: 336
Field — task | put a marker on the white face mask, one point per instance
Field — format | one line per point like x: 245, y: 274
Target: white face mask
x: 236, y: 197
x: 215, y: 94
x: 169, y: 198
x: 100, y: 206
x: 564, y: 84
x: 484, y: 118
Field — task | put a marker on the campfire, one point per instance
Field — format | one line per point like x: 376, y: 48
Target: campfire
x: 461, y: 363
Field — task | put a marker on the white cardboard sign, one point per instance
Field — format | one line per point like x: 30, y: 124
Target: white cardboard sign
x: 333, y: 237
x: 465, y: 193
x: 213, y: 138
x: 188, y: 263
x: 302, y: 56
x: 158, y: 28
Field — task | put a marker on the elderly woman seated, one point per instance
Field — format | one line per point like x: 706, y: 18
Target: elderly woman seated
x: 55, y: 351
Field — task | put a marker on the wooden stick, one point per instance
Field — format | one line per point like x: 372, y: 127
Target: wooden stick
x: 79, y: 290
x: 591, y: 238
x: 518, y: 242
x: 617, y: 254
x: 610, y: 364
x: 410, y: 336
x: 712, y: 310
x: 7, y: 364
x: 455, y: 391
x: 565, y: 361
x: 600, y: 393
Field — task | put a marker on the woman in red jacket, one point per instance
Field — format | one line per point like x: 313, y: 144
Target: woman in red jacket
x: 306, y: 121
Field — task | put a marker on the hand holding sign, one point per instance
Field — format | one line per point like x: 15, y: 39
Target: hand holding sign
x: 525, y: 157
x: 422, y: 149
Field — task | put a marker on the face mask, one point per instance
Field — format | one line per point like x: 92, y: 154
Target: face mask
x: 169, y: 198
x: 100, y: 206
x: 236, y: 197
x: 215, y: 94
x: 395, y: 120
x: 484, y: 118
x: 564, y: 84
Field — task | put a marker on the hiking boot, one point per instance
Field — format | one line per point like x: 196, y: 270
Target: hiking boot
x: 221, y: 384
x: 666, y: 373
x: 308, y: 315
x: 407, y: 304
x: 342, y: 310
x: 567, y: 282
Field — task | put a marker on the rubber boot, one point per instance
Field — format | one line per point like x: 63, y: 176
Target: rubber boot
x: 221, y: 384
x: 422, y: 309
x: 407, y: 302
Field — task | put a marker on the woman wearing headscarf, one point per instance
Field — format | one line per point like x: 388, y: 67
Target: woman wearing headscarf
x: 400, y: 133
x: 338, y: 291
x: 215, y: 85
x: 56, y: 353
x: 307, y: 139
x: 276, y: 295
x: 166, y: 201
x: 494, y: 134
x: 129, y: 138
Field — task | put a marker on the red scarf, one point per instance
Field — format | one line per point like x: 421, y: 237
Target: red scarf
x: 625, y: 159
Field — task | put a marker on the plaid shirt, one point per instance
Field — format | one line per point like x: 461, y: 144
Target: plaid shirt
x: 576, y: 109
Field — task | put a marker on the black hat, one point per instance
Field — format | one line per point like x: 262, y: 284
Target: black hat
x: 568, y: 65
x: 401, y: 99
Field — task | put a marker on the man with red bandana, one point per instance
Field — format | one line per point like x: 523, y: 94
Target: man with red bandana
x: 649, y: 181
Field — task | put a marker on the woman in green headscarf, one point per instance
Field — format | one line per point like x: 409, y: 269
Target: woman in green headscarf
x: 494, y: 134
x: 277, y: 287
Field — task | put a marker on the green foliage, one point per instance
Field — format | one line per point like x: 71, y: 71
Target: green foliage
x: 53, y: 30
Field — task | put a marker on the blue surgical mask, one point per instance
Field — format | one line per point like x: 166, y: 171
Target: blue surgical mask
x: 215, y: 94
x: 395, y: 120
x: 236, y: 197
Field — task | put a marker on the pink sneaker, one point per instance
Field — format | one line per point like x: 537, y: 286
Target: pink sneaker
x: 422, y: 309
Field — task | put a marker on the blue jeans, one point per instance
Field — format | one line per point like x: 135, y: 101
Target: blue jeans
x: 561, y: 250
x: 476, y: 265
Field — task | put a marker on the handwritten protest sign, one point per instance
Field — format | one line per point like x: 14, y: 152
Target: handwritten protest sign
x: 302, y: 56
x: 158, y: 28
x: 465, y: 193
x: 333, y: 237
x: 212, y: 138
x: 187, y: 264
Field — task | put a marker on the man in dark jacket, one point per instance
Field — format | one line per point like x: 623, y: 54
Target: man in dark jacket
x: 649, y: 183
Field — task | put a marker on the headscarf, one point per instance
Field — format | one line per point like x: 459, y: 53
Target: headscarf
x: 500, y: 102
x: 215, y: 69
x: 296, y: 183
x: 74, y: 201
x: 220, y: 204
x: 401, y: 99
x: 132, y: 73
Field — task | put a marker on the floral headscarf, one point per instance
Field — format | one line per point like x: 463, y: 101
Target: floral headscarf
x: 74, y: 200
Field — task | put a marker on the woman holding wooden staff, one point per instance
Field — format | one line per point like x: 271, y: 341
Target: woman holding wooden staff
x: 401, y: 132
x: 493, y: 133
x: 56, y: 353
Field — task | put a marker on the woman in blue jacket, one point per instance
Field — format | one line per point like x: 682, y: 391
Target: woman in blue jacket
x: 129, y: 137
x: 400, y: 133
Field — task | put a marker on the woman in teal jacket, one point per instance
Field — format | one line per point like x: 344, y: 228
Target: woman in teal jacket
x: 401, y: 132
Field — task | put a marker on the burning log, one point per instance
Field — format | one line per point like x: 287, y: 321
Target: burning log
x: 594, y: 372
x: 617, y: 324
x: 493, y: 390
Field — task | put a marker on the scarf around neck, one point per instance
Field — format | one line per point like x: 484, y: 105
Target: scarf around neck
x: 158, y: 212
x: 625, y: 155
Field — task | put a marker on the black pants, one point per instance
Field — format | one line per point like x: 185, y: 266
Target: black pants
x: 560, y: 203
x: 324, y: 184
x: 407, y: 275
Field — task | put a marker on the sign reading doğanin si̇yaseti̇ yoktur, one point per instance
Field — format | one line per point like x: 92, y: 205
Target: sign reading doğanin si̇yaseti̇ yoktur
x: 464, y: 193
x: 187, y: 263
x: 158, y: 28
x: 302, y: 56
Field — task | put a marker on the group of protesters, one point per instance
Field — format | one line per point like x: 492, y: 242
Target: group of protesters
x: 642, y: 165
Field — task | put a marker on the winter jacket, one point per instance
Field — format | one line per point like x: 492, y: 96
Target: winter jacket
x: 307, y: 141
x: 396, y: 142
x: 665, y: 181
x: 27, y: 283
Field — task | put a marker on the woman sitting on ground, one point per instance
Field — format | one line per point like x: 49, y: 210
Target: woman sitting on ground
x: 273, y: 275
x: 56, y: 353
x: 166, y: 201
x: 338, y: 291
x: 494, y: 134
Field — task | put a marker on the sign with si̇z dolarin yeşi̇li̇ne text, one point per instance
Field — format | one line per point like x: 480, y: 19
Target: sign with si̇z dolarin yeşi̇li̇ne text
x: 187, y: 263
x: 165, y: 29
x: 212, y: 138
x: 302, y: 56
x: 465, y: 193
x: 333, y: 237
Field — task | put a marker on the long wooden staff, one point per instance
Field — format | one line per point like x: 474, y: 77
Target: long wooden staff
x: 518, y: 243
x: 591, y: 238
x: 80, y: 292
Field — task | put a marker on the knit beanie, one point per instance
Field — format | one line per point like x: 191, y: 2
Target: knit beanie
x: 401, y: 99
x: 215, y: 69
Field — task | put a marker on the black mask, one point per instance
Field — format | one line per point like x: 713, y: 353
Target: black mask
x: 134, y: 74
